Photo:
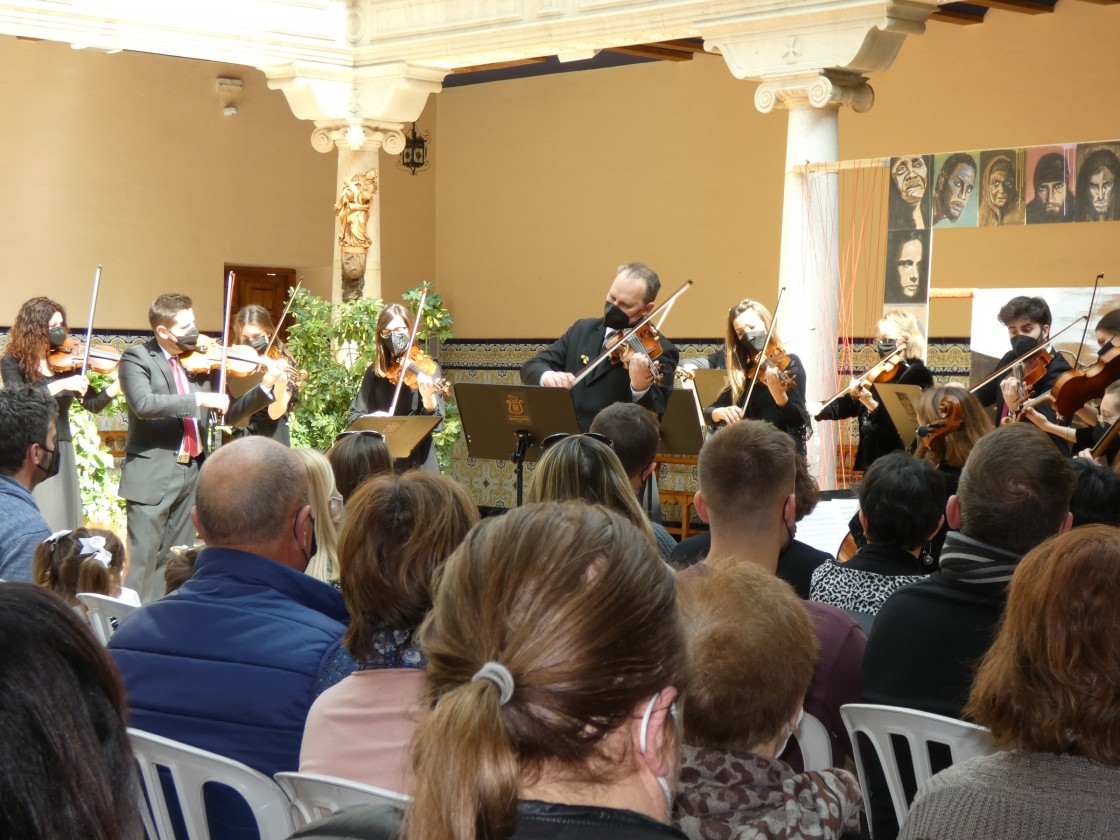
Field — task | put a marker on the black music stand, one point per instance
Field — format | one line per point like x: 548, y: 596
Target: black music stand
x: 495, y: 416
x: 682, y: 427
x: 403, y: 433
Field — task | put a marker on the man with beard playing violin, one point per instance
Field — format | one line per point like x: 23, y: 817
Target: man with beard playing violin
x: 629, y: 300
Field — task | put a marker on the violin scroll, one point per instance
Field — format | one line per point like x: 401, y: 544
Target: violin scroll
x: 933, y: 435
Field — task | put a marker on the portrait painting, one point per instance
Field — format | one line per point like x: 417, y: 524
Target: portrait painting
x: 1098, y: 168
x: 908, y: 201
x: 906, y: 280
x: 1050, y: 195
x: 954, y: 190
x: 1002, y: 181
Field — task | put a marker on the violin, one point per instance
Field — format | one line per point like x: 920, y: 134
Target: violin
x: 884, y: 370
x: 777, y: 358
x: 418, y: 362
x: 1028, y: 373
x: 933, y: 435
x: 103, y: 358
x: 645, y: 341
x: 241, y: 360
x: 1074, y: 388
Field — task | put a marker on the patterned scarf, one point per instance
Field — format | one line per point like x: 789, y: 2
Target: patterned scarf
x: 971, y: 561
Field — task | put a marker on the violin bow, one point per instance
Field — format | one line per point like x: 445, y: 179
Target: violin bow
x: 762, y: 353
x: 231, y: 278
x: 629, y: 331
x: 1026, y: 355
x: 89, y: 329
x: 1085, y: 332
x: 283, y: 316
x: 408, y: 351
x: 861, y: 378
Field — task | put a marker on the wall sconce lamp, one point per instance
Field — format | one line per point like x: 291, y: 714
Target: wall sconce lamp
x: 229, y: 91
x: 415, y: 155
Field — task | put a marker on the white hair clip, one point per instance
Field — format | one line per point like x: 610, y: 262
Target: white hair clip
x: 95, y: 547
x: 57, y: 535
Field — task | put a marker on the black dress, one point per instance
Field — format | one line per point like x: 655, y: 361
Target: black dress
x: 792, y: 418
x: 376, y: 394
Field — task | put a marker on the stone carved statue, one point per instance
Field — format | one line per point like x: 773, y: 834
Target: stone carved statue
x: 352, y: 209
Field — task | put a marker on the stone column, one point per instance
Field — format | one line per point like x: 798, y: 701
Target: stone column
x: 809, y: 270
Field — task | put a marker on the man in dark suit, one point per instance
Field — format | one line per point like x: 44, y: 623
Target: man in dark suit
x: 168, y: 413
x: 631, y: 298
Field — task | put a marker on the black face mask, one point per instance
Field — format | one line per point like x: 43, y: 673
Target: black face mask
x: 258, y: 343
x: 884, y: 347
x: 1023, y: 344
x: 188, y: 341
x: 1099, y: 431
x: 57, y: 336
x: 399, y: 342
x: 51, y: 470
x: 752, y: 341
x: 614, y: 318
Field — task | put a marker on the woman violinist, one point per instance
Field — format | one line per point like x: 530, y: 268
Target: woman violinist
x: 394, y: 326
x: 779, y: 392
x: 39, y: 332
x: 253, y: 327
x: 877, y: 434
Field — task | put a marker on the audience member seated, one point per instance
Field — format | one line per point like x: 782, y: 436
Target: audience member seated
x: 83, y: 560
x: 66, y: 769
x: 399, y: 531
x: 748, y: 473
x: 1096, y: 498
x: 356, y: 456
x: 229, y: 662
x: 737, y: 619
x: 326, y: 509
x: 584, y: 468
x: 555, y: 654
x: 635, y: 434
x: 1049, y: 690
x: 901, y: 504
x: 27, y: 456
x: 796, y: 562
x: 180, y: 566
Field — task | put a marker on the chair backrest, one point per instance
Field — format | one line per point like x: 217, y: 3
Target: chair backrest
x: 315, y: 796
x: 814, y: 743
x: 190, y: 768
x: 102, y: 611
x: 919, y: 730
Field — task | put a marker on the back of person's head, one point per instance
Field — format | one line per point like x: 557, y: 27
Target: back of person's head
x: 574, y: 603
x: 903, y: 500
x: 166, y: 307
x: 320, y: 477
x: 66, y: 769
x: 248, y: 492
x: 635, y: 433
x: 1015, y: 489
x: 1109, y: 323
x: 745, y: 470
x: 1051, y: 680
x: 355, y: 457
x: 751, y: 655
x: 399, y: 530
x: 936, y: 404
x: 581, y: 468
x: 1032, y: 308
x: 82, y: 560
x: 26, y: 412
x: 1096, y: 499
x: 180, y: 566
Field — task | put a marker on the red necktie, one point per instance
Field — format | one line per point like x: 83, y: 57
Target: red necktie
x: 192, y: 443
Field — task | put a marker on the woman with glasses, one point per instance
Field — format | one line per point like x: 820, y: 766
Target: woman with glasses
x: 253, y: 327
x: 394, y: 326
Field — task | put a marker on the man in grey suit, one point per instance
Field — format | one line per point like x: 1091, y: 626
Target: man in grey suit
x: 631, y: 298
x: 168, y: 413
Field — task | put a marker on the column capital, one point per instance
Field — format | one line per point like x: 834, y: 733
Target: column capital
x: 816, y: 89
x: 358, y: 135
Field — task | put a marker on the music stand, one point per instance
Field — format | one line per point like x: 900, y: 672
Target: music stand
x: 709, y: 384
x: 682, y: 427
x: 901, y: 402
x: 496, y: 416
x: 403, y: 433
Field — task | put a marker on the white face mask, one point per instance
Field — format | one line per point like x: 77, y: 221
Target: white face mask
x: 789, y: 732
x: 666, y: 791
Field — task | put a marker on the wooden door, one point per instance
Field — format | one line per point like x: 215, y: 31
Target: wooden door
x: 265, y: 286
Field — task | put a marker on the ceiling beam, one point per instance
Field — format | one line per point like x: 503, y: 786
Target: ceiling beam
x: 654, y: 51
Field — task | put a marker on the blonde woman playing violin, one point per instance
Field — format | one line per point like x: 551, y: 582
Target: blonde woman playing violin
x: 779, y: 392
x: 877, y: 434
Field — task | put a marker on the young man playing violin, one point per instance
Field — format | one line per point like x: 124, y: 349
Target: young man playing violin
x: 1028, y: 323
x: 629, y: 300
x: 168, y: 415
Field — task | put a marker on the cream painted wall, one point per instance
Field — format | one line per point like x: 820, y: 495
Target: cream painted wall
x: 126, y: 160
x: 546, y: 184
x: 408, y: 217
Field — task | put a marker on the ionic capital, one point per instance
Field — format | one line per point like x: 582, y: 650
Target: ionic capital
x: 819, y: 89
x: 358, y: 135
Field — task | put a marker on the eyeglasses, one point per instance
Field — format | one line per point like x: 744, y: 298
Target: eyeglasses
x: 362, y: 432
x: 552, y: 440
x: 389, y: 333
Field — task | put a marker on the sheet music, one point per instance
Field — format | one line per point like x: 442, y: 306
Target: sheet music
x: 825, y: 527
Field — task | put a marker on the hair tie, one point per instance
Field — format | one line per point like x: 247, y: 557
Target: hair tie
x: 498, y: 674
x: 94, y: 547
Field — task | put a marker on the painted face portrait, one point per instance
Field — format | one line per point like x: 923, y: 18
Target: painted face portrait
x: 1102, y: 191
x: 1000, y: 186
x: 1096, y: 187
x: 909, y: 268
x: 906, y: 280
x: 956, y: 190
x: 910, y: 178
x: 1052, y: 200
x: 1052, y: 195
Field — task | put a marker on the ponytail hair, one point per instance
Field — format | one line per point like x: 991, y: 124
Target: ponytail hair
x: 574, y: 606
x: 82, y: 560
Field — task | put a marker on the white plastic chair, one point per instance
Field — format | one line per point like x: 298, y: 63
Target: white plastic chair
x: 814, y: 743
x: 190, y: 769
x: 101, y: 611
x: 314, y: 796
x: 919, y: 729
